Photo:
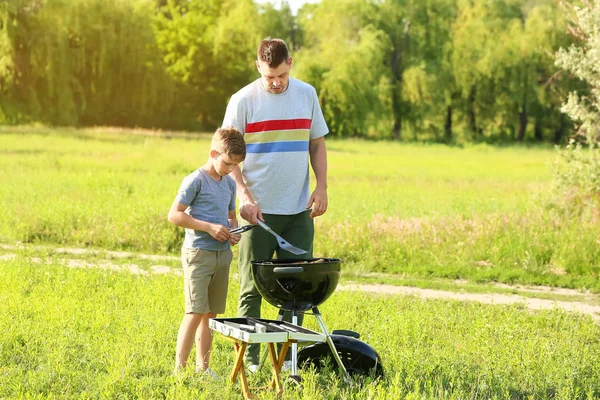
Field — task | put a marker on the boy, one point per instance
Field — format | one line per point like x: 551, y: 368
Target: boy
x: 205, y: 207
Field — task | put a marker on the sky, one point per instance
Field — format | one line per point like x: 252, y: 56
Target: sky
x: 294, y: 4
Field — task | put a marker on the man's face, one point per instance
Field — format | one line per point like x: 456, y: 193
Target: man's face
x: 275, y: 80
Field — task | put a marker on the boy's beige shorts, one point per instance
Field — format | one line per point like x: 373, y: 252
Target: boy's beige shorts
x: 205, y: 280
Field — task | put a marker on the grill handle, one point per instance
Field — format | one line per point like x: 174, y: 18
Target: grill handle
x: 288, y: 270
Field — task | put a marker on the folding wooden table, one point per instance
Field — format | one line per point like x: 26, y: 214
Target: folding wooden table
x: 241, y: 331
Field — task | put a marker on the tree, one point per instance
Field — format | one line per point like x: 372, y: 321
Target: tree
x: 83, y: 62
x: 344, y: 58
x: 576, y: 177
x: 583, y: 60
x: 530, y: 39
x: 394, y: 19
x: 428, y: 84
x: 502, y: 63
x: 208, y: 47
x: 279, y: 24
x: 6, y: 56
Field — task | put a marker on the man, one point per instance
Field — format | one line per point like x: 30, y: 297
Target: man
x: 284, y: 129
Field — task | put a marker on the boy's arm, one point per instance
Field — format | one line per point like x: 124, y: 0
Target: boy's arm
x: 178, y: 217
x: 233, y: 223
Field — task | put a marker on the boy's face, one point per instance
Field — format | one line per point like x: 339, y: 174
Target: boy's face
x: 275, y: 80
x: 224, y: 163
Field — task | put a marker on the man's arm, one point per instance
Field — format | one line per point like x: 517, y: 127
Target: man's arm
x: 249, y: 210
x: 318, y: 160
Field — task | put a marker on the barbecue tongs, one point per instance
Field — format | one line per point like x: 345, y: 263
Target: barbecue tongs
x: 284, y: 244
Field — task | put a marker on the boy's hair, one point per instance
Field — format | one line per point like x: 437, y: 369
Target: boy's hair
x: 273, y: 52
x: 229, y: 141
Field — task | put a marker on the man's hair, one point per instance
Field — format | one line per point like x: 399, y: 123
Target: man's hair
x: 273, y: 52
x: 229, y: 141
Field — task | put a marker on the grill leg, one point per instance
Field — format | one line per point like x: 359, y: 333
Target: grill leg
x: 338, y: 360
x: 336, y: 356
x: 294, y: 346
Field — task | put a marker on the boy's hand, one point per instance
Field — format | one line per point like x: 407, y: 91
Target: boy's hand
x: 235, y: 239
x: 220, y: 232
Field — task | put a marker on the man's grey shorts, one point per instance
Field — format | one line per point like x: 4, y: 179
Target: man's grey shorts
x: 205, y: 280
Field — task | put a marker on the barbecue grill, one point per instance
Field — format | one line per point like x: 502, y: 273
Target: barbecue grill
x: 302, y: 285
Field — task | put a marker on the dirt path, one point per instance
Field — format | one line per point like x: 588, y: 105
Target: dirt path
x: 531, y: 303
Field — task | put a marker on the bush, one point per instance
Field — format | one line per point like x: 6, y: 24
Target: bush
x: 577, y: 167
x: 576, y: 186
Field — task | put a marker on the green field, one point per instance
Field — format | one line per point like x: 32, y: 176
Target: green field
x: 82, y: 325
x: 92, y: 333
x: 419, y: 211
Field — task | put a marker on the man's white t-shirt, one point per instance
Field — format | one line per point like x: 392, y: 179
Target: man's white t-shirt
x: 277, y: 129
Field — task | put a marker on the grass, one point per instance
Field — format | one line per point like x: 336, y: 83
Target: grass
x: 92, y: 333
x: 424, y: 211
x: 421, y: 215
x: 146, y: 264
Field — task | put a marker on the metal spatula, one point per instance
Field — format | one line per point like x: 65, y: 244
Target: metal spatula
x: 284, y: 244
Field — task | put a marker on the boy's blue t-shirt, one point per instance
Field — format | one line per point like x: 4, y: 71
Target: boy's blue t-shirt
x: 207, y: 200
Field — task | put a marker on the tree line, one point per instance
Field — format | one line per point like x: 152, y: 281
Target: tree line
x: 425, y: 70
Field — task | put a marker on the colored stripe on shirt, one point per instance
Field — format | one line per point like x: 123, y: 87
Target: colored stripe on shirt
x: 278, y: 125
x: 277, y: 147
x: 278, y: 136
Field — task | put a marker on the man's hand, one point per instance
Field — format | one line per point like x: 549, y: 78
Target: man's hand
x: 318, y: 202
x: 251, y: 212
